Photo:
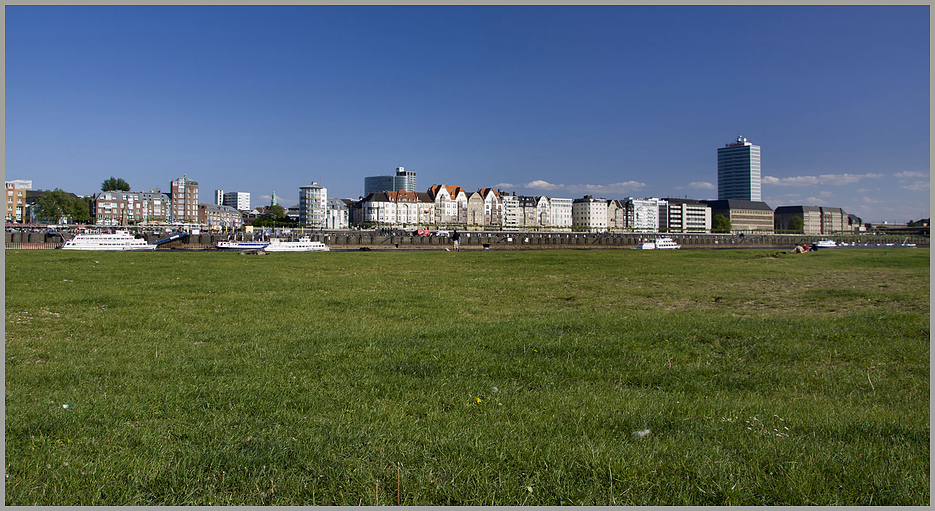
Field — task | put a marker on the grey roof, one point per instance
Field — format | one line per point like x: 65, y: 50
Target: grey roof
x: 732, y: 204
x: 797, y: 209
x: 674, y: 200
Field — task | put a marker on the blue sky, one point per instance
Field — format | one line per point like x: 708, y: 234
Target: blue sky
x: 612, y: 101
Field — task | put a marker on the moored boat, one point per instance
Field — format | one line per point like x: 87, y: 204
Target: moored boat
x: 303, y: 244
x: 240, y: 245
x: 117, y: 241
x: 825, y: 243
x: 659, y: 244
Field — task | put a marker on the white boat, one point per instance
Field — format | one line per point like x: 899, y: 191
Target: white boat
x: 825, y: 243
x: 659, y: 244
x: 303, y: 244
x: 119, y: 240
x: 240, y: 245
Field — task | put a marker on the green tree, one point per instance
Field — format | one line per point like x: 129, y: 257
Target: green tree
x: 115, y: 184
x: 720, y: 223
x: 796, y: 224
x: 58, y: 203
x: 277, y: 212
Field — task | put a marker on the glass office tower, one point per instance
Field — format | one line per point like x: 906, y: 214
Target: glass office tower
x: 738, y: 171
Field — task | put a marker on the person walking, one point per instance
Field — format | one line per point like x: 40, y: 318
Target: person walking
x: 456, y: 240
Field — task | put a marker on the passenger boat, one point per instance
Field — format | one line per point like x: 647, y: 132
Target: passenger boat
x: 240, y: 245
x: 825, y: 243
x: 119, y: 240
x: 659, y: 244
x: 303, y: 244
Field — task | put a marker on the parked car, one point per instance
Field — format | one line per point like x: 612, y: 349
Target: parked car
x: 442, y: 233
x: 422, y: 232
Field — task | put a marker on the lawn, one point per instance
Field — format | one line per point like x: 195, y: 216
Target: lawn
x: 547, y: 377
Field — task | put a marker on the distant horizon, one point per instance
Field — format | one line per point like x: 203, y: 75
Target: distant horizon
x: 562, y: 101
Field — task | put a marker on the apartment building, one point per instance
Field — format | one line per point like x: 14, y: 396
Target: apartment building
x: 337, y: 215
x: 589, y: 214
x: 493, y: 206
x: 237, y: 200
x: 560, y: 213
x: 16, y: 201
x: 219, y: 217
x: 398, y: 209
x: 183, y: 193
x: 123, y: 208
x: 313, y: 204
x: 450, y: 204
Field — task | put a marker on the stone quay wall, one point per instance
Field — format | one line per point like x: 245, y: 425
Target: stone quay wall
x: 374, y: 240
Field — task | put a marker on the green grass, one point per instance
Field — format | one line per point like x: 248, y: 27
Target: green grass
x: 472, y: 378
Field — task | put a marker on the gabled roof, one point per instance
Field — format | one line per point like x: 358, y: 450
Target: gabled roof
x: 402, y: 196
x: 487, y: 191
x: 452, y: 190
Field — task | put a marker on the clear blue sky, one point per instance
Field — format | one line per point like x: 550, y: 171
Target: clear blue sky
x: 612, y: 101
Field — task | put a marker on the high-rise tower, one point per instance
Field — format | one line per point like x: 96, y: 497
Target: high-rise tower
x: 738, y: 171
x: 403, y: 180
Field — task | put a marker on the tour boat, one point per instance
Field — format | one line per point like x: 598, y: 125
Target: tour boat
x: 119, y: 240
x: 825, y: 243
x: 303, y: 244
x: 659, y: 244
x: 240, y: 245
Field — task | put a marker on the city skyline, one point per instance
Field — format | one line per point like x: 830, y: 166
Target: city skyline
x: 609, y: 101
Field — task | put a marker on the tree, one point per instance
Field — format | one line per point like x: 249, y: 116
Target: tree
x: 114, y: 183
x: 58, y: 203
x: 720, y: 223
x: 796, y: 224
x: 277, y: 212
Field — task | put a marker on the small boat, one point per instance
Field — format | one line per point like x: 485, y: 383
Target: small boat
x: 659, y: 244
x: 825, y: 243
x: 240, y: 245
x: 119, y: 240
x: 303, y: 244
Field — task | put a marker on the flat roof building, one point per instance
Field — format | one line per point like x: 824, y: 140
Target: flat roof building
x: 404, y: 180
x: 738, y: 171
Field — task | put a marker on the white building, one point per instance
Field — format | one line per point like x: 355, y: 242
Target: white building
x: 512, y: 212
x: 313, y: 205
x: 560, y: 213
x: 237, y: 200
x: 398, y: 209
x: 646, y: 214
x: 450, y: 204
x: 337, y: 214
x: 686, y: 215
x: 589, y: 214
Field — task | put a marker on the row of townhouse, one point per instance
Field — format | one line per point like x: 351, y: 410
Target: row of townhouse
x: 453, y: 207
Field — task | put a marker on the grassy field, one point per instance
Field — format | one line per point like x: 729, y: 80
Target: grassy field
x: 474, y: 378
